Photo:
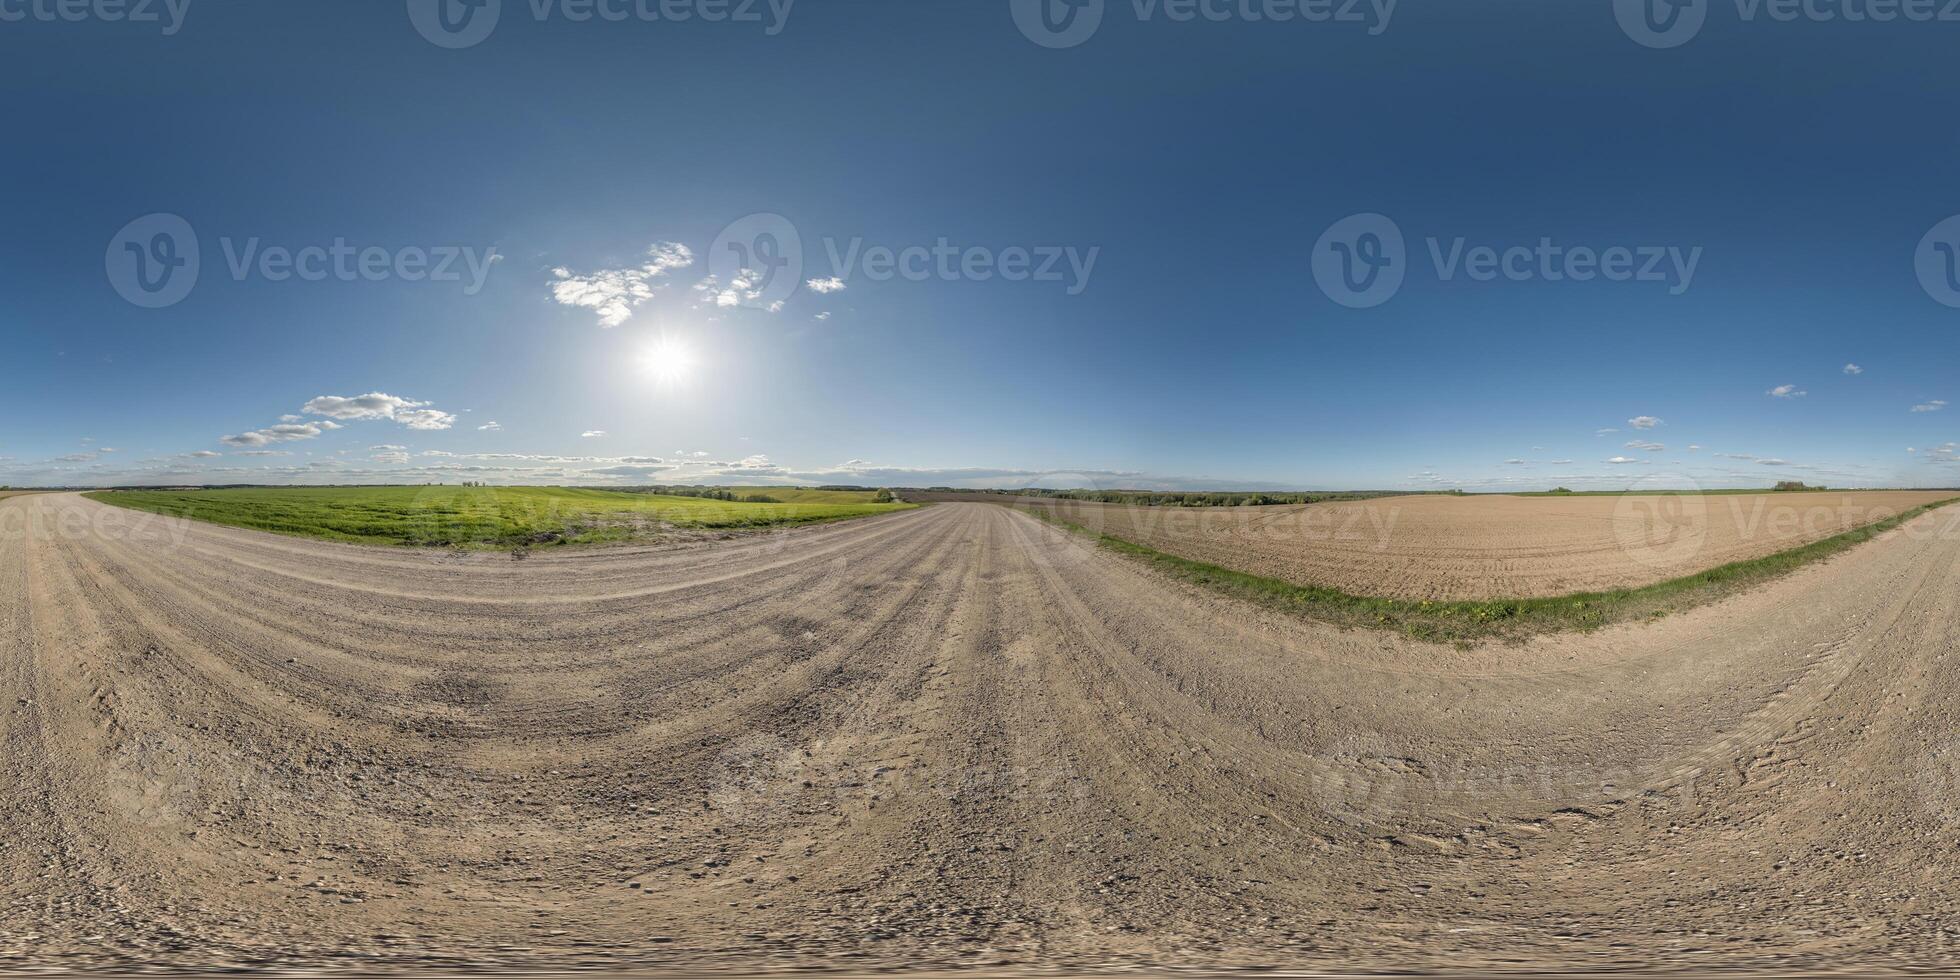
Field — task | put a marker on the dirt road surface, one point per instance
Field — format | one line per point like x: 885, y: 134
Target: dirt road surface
x: 953, y: 737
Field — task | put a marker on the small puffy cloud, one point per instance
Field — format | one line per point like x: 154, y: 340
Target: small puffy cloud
x: 1853, y: 369
x: 206, y: 454
x: 390, y: 457
x: 614, y: 293
x: 825, y: 315
x: 593, y: 434
x: 1786, y: 391
x: 1514, y: 462
x: 1643, y: 421
x: 1623, y: 460
x: 491, y: 426
x: 1604, y: 432
x: 1929, y: 406
x: 262, y: 452
x: 1693, y: 448
x: 830, y: 285
x: 1645, y: 446
x: 1772, y: 461
x: 388, y: 448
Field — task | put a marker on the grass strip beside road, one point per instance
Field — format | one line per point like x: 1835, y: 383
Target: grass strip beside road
x: 474, y: 517
x: 1496, y: 619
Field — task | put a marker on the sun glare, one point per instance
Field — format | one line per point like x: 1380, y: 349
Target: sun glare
x: 668, y: 361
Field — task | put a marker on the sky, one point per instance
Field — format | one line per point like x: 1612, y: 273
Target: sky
x: 1230, y: 244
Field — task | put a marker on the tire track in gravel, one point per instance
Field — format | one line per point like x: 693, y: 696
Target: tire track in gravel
x: 948, y: 737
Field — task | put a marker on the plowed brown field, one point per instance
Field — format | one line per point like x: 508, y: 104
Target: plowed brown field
x: 953, y: 737
x: 1488, y: 546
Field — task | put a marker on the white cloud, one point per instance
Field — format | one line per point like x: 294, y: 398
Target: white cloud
x: 830, y: 285
x: 1773, y: 462
x: 1604, y: 432
x: 1642, y: 444
x: 206, y: 454
x: 825, y: 315
x: 1623, y: 460
x: 744, y: 287
x: 1786, y: 391
x: 1514, y: 462
x: 390, y: 457
x: 286, y: 432
x: 490, y: 427
x: 1643, y: 422
x: 1853, y: 369
x: 593, y: 434
x: 1694, y: 448
x: 262, y: 452
x: 615, y: 293
x: 379, y: 405
x: 1930, y: 406
x: 426, y: 419
x: 386, y: 448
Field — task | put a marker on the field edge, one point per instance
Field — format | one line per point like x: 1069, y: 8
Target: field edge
x: 1510, y: 620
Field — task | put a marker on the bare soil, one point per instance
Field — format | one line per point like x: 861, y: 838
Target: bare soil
x: 942, y: 739
x: 1489, y: 546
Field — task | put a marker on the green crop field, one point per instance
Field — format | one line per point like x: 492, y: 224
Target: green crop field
x: 473, y: 516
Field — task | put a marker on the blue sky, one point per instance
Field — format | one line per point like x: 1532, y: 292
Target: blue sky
x: 546, y: 214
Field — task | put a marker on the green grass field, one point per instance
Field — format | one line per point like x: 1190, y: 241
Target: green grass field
x: 481, y: 517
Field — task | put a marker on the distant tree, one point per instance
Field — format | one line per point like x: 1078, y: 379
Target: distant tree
x: 1795, y: 485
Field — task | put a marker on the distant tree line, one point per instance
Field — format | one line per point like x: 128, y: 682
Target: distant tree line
x: 1149, y: 498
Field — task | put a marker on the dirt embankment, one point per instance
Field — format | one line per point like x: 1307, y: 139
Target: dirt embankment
x: 948, y: 737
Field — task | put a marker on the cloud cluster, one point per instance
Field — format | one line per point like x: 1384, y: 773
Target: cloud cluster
x: 283, y: 432
x: 743, y: 288
x: 614, y: 293
x: 376, y: 405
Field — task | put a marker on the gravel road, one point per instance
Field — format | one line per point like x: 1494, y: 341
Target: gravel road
x: 952, y: 737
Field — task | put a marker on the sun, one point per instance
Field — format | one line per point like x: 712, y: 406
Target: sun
x: 668, y: 361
